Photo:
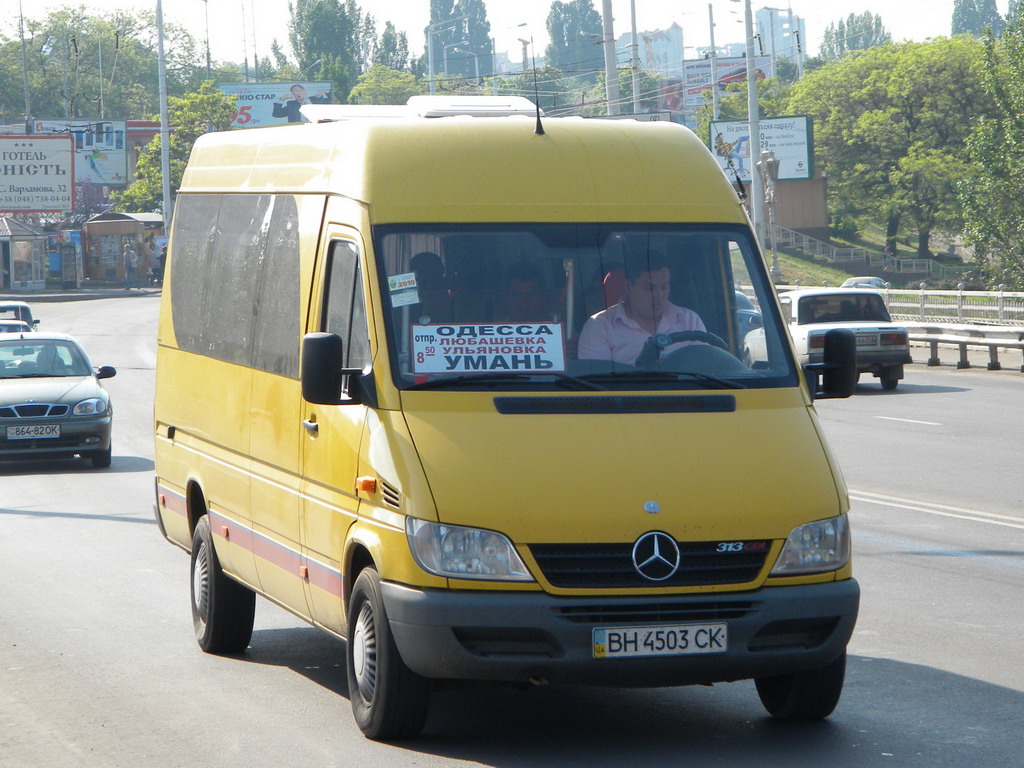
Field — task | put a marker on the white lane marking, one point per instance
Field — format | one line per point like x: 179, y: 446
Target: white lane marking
x: 910, y: 421
x: 942, y: 510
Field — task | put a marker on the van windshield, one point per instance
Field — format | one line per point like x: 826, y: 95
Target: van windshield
x: 579, y: 306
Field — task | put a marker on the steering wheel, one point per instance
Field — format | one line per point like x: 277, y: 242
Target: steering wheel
x: 655, y: 345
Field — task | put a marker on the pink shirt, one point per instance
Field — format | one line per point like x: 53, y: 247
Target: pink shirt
x: 612, y: 335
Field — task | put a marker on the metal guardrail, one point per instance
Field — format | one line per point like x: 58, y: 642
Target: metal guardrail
x: 973, y: 307
x: 994, y: 338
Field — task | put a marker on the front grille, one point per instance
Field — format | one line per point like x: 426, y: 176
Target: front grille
x: 32, y: 410
x: 661, y: 612
x: 596, y: 566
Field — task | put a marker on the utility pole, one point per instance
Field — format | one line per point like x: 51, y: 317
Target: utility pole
x: 714, y: 65
x: 24, y: 68
x: 165, y: 131
x: 754, y: 128
x: 611, y: 71
x: 634, y: 61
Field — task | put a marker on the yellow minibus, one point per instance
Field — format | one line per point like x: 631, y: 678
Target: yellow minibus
x: 471, y: 394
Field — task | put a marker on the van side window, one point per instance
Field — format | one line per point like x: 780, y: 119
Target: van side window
x: 344, y: 305
x: 276, y: 342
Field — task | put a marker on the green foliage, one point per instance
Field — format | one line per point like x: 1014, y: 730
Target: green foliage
x: 858, y: 32
x: 74, y: 58
x: 392, y: 50
x: 575, y: 30
x: 992, y: 191
x: 190, y: 116
x: 383, y: 85
x: 885, y: 121
x: 595, y: 102
x: 973, y: 17
x: 461, y: 39
x: 322, y: 30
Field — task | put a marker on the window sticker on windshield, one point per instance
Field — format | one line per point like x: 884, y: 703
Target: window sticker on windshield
x: 403, y: 289
x: 488, y: 348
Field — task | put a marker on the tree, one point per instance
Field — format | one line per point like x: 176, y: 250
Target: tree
x: 575, y: 30
x: 460, y: 37
x: 74, y: 57
x: 879, y: 125
x: 992, y: 190
x: 392, y: 50
x: 972, y: 17
x: 190, y: 116
x: 322, y: 30
x: 858, y: 32
x: 384, y: 85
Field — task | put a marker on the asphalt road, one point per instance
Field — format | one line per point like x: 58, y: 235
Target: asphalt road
x: 98, y: 666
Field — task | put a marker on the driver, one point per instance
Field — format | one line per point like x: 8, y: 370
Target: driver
x: 619, y: 332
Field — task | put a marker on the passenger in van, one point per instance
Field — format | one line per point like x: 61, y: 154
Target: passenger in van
x: 524, y: 298
x: 620, y: 332
x: 435, y: 305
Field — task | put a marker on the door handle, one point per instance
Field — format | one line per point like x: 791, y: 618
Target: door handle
x: 311, y: 426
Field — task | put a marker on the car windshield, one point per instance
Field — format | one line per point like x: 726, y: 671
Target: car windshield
x: 842, y: 308
x: 16, y: 312
x: 578, y: 306
x: 21, y: 358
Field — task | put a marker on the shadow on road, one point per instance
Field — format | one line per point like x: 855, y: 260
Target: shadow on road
x: 892, y: 714
x: 119, y: 464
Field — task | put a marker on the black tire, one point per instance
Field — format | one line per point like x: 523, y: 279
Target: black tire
x: 809, y: 695
x: 389, y: 700
x: 101, y: 459
x: 889, y: 382
x: 223, y: 611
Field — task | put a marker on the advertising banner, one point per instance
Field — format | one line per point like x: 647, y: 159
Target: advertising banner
x: 697, y: 79
x: 37, y: 174
x: 790, y: 138
x: 100, y: 152
x: 259, y: 104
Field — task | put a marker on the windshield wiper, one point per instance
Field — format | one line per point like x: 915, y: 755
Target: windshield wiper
x: 657, y: 376
x: 504, y: 378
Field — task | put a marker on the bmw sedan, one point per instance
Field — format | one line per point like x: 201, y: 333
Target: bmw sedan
x: 52, y: 404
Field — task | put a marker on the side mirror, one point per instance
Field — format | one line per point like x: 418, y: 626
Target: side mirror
x: 106, y: 372
x: 839, y: 367
x: 323, y: 380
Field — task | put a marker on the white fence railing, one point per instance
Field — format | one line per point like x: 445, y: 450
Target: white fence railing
x: 789, y: 238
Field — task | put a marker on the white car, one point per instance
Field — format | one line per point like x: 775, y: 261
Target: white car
x: 865, y: 282
x: 882, y: 345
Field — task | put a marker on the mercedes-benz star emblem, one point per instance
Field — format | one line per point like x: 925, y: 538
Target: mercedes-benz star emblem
x: 656, y: 556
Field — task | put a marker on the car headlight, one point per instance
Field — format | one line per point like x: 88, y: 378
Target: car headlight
x: 464, y: 553
x: 91, y: 407
x: 815, y: 547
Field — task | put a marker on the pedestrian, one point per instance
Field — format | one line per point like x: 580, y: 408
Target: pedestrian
x: 131, y: 267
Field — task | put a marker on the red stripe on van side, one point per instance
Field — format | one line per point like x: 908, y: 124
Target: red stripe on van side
x: 326, y: 578
x: 172, y: 501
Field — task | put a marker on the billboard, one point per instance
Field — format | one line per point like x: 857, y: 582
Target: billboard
x: 684, y: 93
x: 790, y: 138
x: 100, y: 155
x: 259, y: 104
x: 37, y: 174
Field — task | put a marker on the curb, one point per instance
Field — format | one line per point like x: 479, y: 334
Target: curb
x: 85, y: 294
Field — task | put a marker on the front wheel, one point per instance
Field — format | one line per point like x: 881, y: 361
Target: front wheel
x: 810, y: 695
x: 223, y: 611
x: 389, y: 700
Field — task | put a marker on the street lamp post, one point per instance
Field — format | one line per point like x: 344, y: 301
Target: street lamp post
x: 769, y: 167
x: 316, y: 63
x: 430, y: 47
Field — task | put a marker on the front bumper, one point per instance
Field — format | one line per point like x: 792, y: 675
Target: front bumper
x: 515, y: 636
x: 82, y: 435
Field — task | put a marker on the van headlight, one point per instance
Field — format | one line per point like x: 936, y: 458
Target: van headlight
x: 456, y: 552
x: 815, y: 547
x: 91, y: 407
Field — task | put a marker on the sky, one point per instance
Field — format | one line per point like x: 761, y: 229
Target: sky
x: 238, y: 27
